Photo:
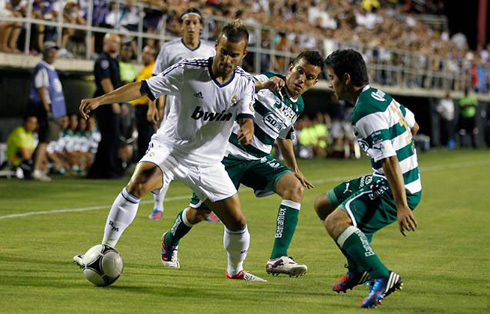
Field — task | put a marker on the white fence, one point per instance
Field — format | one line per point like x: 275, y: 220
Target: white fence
x: 387, y: 67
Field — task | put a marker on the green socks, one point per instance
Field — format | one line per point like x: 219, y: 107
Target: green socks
x: 180, y: 228
x: 287, y: 219
x: 355, y: 246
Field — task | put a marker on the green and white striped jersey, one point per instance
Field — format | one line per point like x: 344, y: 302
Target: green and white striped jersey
x: 383, y: 129
x: 275, y: 114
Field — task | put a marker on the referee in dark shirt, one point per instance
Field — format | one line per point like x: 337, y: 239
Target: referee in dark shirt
x: 107, y: 78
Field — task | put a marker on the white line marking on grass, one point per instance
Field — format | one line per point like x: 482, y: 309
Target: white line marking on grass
x: 82, y: 209
x: 182, y: 197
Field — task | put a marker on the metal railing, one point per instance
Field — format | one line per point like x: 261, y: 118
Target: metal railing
x: 393, y: 67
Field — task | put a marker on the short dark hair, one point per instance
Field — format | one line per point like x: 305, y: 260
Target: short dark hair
x: 348, y: 61
x: 193, y: 11
x: 311, y: 56
x: 235, y: 31
x: 27, y: 116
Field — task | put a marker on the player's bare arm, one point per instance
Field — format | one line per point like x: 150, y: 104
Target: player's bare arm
x: 246, y: 132
x: 161, y: 106
x: 152, y: 114
x: 415, y: 129
x: 107, y: 87
x: 393, y: 173
x: 126, y: 93
x: 274, y: 83
x: 43, y: 94
x: 287, y: 150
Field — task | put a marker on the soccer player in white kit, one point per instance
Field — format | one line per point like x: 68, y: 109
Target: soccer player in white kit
x: 190, y: 46
x: 190, y: 144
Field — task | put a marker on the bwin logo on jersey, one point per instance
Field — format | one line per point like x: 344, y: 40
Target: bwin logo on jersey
x: 211, y: 116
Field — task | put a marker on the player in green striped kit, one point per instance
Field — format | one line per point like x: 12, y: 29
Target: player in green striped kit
x: 385, y: 130
x: 278, y: 105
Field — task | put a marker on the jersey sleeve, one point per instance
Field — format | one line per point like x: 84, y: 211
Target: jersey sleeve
x: 409, y: 118
x: 245, y: 106
x: 41, y: 79
x: 374, y: 129
x: 161, y: 63
x: 261, y: 78
x: 287, y: 134
x: 167, y: 82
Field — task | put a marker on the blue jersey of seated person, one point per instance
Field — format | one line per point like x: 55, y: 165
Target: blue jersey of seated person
x: 55, y: 91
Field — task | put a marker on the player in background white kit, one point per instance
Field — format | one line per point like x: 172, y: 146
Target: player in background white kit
x: 188, y: 47
x: 190, y: 144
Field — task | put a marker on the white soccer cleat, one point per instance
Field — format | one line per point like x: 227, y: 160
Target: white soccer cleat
x: 285, y: 265
x: 78, y: 259
x: 244, y: 275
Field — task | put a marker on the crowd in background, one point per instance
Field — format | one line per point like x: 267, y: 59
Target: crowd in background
x: 74, y: 150
x: 423, y: 49
x: 71, y: 154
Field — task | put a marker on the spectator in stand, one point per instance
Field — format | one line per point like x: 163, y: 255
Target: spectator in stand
x: 47, y: 103
x: 9, y: 31
x: 445, y: 108
x: 71, y: 15
x: 107, y: 78
x: 43, y: 10
x: 153, y: 20
x: 126, y: 68
x: 467, y: 118
x: 21, y: 144
x: 145, y: 124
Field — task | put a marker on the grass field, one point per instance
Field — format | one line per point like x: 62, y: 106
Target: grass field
x: 445, y: 264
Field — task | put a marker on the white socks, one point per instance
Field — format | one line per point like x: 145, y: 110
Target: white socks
x: 236, y: 243
x: 122, y: 213
x: 158, y: 198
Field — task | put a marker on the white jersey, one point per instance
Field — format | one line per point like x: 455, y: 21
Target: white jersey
x: 200, y: 122
x: 175, y: 51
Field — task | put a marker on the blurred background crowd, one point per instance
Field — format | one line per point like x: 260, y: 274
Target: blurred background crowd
x: 406, y: 44
x: 393, y: 34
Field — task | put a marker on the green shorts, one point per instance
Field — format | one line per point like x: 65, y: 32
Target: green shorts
x: 343, y: 191
x: 371, y: 206
x: 260, y: 175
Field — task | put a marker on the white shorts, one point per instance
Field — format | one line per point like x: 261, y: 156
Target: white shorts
x: 209, y: 182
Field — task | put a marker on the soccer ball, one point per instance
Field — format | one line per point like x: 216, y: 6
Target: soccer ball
x: 102, y: 265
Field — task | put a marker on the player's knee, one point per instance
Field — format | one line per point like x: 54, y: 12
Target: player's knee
x: 336, y: 222
x: 319, y: 206
x: 294, y: 192
x: 237, y: 223
x: 138, y: 188
x: 332, y: 224
x: 329, y: 223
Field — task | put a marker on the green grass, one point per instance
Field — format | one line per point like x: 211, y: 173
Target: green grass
x: 445, y: 264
